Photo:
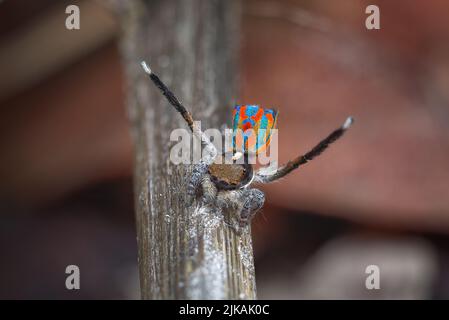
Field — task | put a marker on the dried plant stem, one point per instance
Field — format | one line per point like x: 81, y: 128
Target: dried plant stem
x: 184, y: 252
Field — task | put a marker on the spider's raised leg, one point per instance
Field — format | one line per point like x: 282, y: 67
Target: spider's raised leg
x: 169, y: 95
x: 210, y: 152
x: 263, y: 177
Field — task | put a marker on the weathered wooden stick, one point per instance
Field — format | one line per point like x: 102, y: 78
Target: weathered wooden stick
x: 184, y: 252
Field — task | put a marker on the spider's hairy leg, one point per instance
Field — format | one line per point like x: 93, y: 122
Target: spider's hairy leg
x: 210, y: 152
x: 229, y: 199
x: 253, y: 200
x: 171, y: 98
x: 174, y: 101
x: 291, y: 165
x: 209, y: 189
x: 200, y: 171
x: 246, y: 202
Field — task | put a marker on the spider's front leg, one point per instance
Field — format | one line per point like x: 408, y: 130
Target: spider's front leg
x: 245, y: 201
x: 252, y: 201
x: 200, y: 172
x: 209, y: 190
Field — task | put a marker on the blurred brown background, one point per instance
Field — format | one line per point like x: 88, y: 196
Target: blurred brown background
x: 379, y: 196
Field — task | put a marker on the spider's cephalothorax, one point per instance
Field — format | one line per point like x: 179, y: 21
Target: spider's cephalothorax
x: 227, y: 185
x: 231, y: 176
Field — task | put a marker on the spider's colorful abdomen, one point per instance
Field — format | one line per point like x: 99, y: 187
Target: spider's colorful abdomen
x: 256, y: 125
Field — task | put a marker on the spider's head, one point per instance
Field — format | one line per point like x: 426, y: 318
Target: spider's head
x: 231, y: 176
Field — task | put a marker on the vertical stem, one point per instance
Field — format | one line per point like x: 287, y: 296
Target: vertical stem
x: 184, y: 252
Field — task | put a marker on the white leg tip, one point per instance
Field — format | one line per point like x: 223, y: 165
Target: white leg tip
x: 145, y: 67
x: 348, y: 122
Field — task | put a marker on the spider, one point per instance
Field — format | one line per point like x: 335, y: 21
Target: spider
x: 228, y: 185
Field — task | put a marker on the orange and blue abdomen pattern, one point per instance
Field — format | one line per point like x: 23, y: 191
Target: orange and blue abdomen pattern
x: 260, y: 120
